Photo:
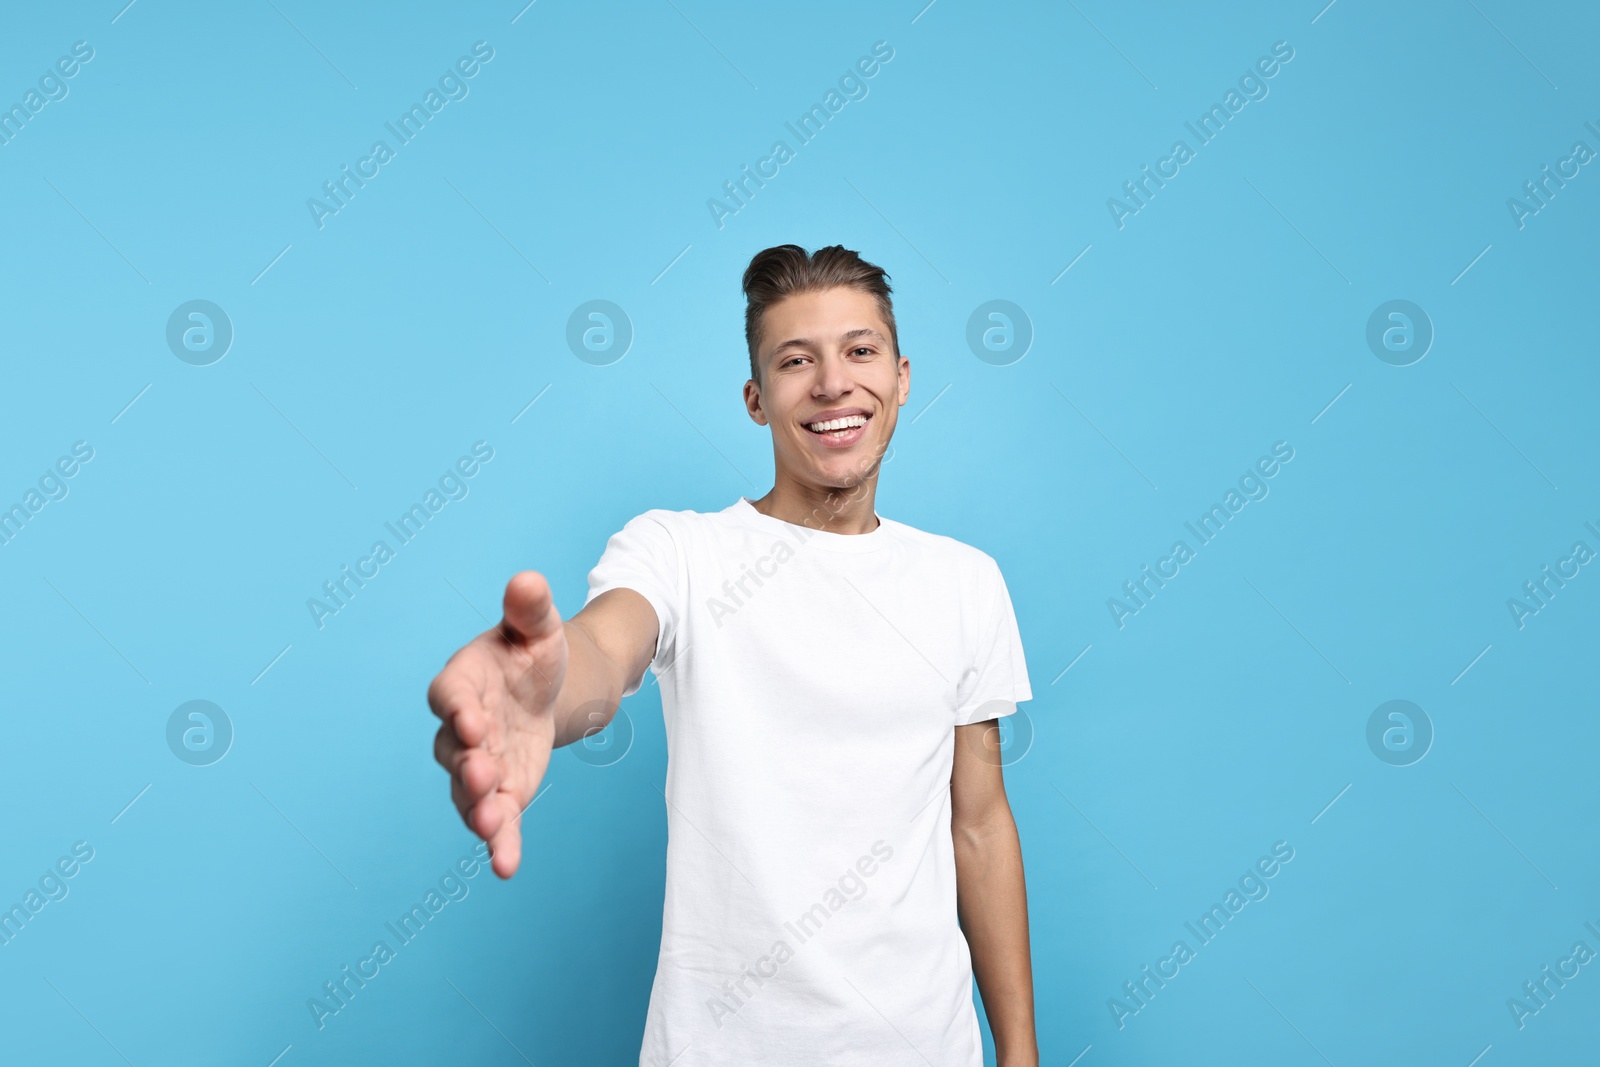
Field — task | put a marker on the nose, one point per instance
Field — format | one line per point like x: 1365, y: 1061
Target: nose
x: 832, y: 377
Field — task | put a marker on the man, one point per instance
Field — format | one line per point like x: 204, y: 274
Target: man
x: 841, y: 857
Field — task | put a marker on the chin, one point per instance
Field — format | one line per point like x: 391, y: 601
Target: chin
x: 844, y: 476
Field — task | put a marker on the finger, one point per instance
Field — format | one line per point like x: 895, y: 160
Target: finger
x: 505, y: 847
x: 505, y: 853
x: 478, y: 773
x: 529, y: 610
x: 487, y: 817
x: 447, y: 748
x: 471, y: 725
x: 463, y: 804
x: 452, y: 690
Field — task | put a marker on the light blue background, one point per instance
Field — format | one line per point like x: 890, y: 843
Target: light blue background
x: 1226, y: 315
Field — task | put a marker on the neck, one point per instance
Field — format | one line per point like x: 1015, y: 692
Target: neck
x: 832, y: 510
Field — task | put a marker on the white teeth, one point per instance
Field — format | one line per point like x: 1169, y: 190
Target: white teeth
x: 848, y: 422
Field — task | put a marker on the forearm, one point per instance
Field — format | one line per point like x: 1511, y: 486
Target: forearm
x: 591, y: 689
x: 992, y: 905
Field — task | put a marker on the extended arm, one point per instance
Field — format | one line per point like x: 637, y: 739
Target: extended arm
x: 610, y: 643
x: 991, y: 897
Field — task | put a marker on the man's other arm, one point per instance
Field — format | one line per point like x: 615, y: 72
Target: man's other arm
x: 991, y: 897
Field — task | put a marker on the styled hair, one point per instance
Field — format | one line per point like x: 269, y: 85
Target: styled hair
x: 785, y: 270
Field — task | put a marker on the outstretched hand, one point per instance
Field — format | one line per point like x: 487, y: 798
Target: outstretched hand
x: 497, y: 697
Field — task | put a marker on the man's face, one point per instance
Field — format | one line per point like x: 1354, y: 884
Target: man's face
x: 825, y: 357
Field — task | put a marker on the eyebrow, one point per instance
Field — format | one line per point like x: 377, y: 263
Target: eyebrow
x: 848, y: 335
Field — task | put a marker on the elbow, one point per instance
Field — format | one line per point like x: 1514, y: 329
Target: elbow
x: 982, y: 831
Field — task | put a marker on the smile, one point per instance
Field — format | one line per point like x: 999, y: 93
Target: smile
x: 835, y: 425
x: 841, y: 432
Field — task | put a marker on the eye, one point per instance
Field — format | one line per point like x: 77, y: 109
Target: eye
x: 865, y: 349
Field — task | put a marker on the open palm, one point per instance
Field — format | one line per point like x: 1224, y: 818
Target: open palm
x: 497, y: 696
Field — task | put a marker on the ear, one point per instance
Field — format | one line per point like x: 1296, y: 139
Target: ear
x: 752, y: 402
x: 905, y: 379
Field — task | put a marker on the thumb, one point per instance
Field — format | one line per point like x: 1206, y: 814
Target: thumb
x: 529, y: 608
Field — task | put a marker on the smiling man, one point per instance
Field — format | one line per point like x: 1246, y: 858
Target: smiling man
x: 841, y: 857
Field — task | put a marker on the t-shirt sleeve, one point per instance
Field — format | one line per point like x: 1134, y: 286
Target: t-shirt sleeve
x: 645, y: 557
x: 997, y: 680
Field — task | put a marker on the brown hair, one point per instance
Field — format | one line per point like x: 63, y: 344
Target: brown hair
x: 785, y: 270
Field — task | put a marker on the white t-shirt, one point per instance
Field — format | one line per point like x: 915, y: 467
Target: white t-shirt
x: 811, y: 683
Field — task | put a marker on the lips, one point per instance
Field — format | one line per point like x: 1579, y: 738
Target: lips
x: 844, y: 432
x: 835, y: 413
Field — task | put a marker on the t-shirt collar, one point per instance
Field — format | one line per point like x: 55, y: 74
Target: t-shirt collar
x: 841, y: 542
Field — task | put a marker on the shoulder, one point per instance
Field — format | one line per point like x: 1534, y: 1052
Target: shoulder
x: 665, y: 516
x: 669, y: 524
x: 948, y: 551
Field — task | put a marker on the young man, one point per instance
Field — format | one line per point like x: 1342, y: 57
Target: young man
x: 841, y: 858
